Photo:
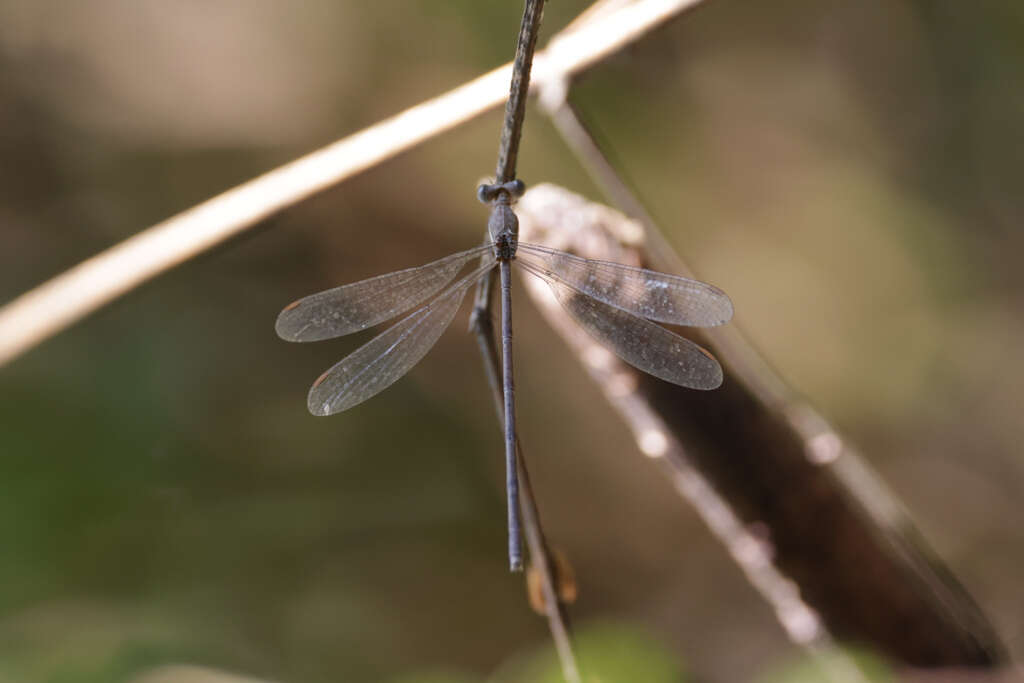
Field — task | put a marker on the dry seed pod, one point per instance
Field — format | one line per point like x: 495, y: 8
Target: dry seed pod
x: 564, y: 579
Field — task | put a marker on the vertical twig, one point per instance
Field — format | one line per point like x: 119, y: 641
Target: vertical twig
x: 508, y: 152
x: 511, y: 132
x: 540, y: 553
x: 481, y: 325
x: 515, y: 109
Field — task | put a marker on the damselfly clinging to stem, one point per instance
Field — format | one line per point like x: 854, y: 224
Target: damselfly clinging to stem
x: 615, y: 303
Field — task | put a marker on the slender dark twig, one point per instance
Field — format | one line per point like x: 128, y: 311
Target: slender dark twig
x: 540, y: 554
x: 520, y: 492
x: 541, y: 559
x: 500, y: 195
x: 515, y: 109
x: 508, y: 151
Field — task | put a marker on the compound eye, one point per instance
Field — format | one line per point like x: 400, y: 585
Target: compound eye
x: 486, y: 193
x: 517, y: 187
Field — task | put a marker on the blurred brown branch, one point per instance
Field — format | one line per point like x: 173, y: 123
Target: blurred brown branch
x: 54, y: 305
x: 787, y: 496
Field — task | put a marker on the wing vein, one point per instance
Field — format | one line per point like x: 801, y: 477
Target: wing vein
x: 383, y: 360
x: 644, y: 293
x: 639, y: 342
x: 356, y: 306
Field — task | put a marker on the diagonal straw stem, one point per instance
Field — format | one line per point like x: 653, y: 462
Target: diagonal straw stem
x: 68, y: 297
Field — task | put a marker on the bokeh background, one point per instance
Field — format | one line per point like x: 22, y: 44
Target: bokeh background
x: 849, y: 172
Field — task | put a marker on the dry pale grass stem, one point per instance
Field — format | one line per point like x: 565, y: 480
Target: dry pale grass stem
x: 54, y: 305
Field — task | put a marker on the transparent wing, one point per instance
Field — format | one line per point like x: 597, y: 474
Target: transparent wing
x: 380, y: 362
x: 646, y: 293
x: 350, y: 308
x: 639, y: 342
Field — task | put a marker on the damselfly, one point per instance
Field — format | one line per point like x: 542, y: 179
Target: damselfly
x: 619, y: 305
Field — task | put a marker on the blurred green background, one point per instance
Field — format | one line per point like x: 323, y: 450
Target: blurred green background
x: 849, y: 172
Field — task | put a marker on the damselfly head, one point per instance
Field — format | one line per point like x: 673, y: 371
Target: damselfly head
x: 505, y: 193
